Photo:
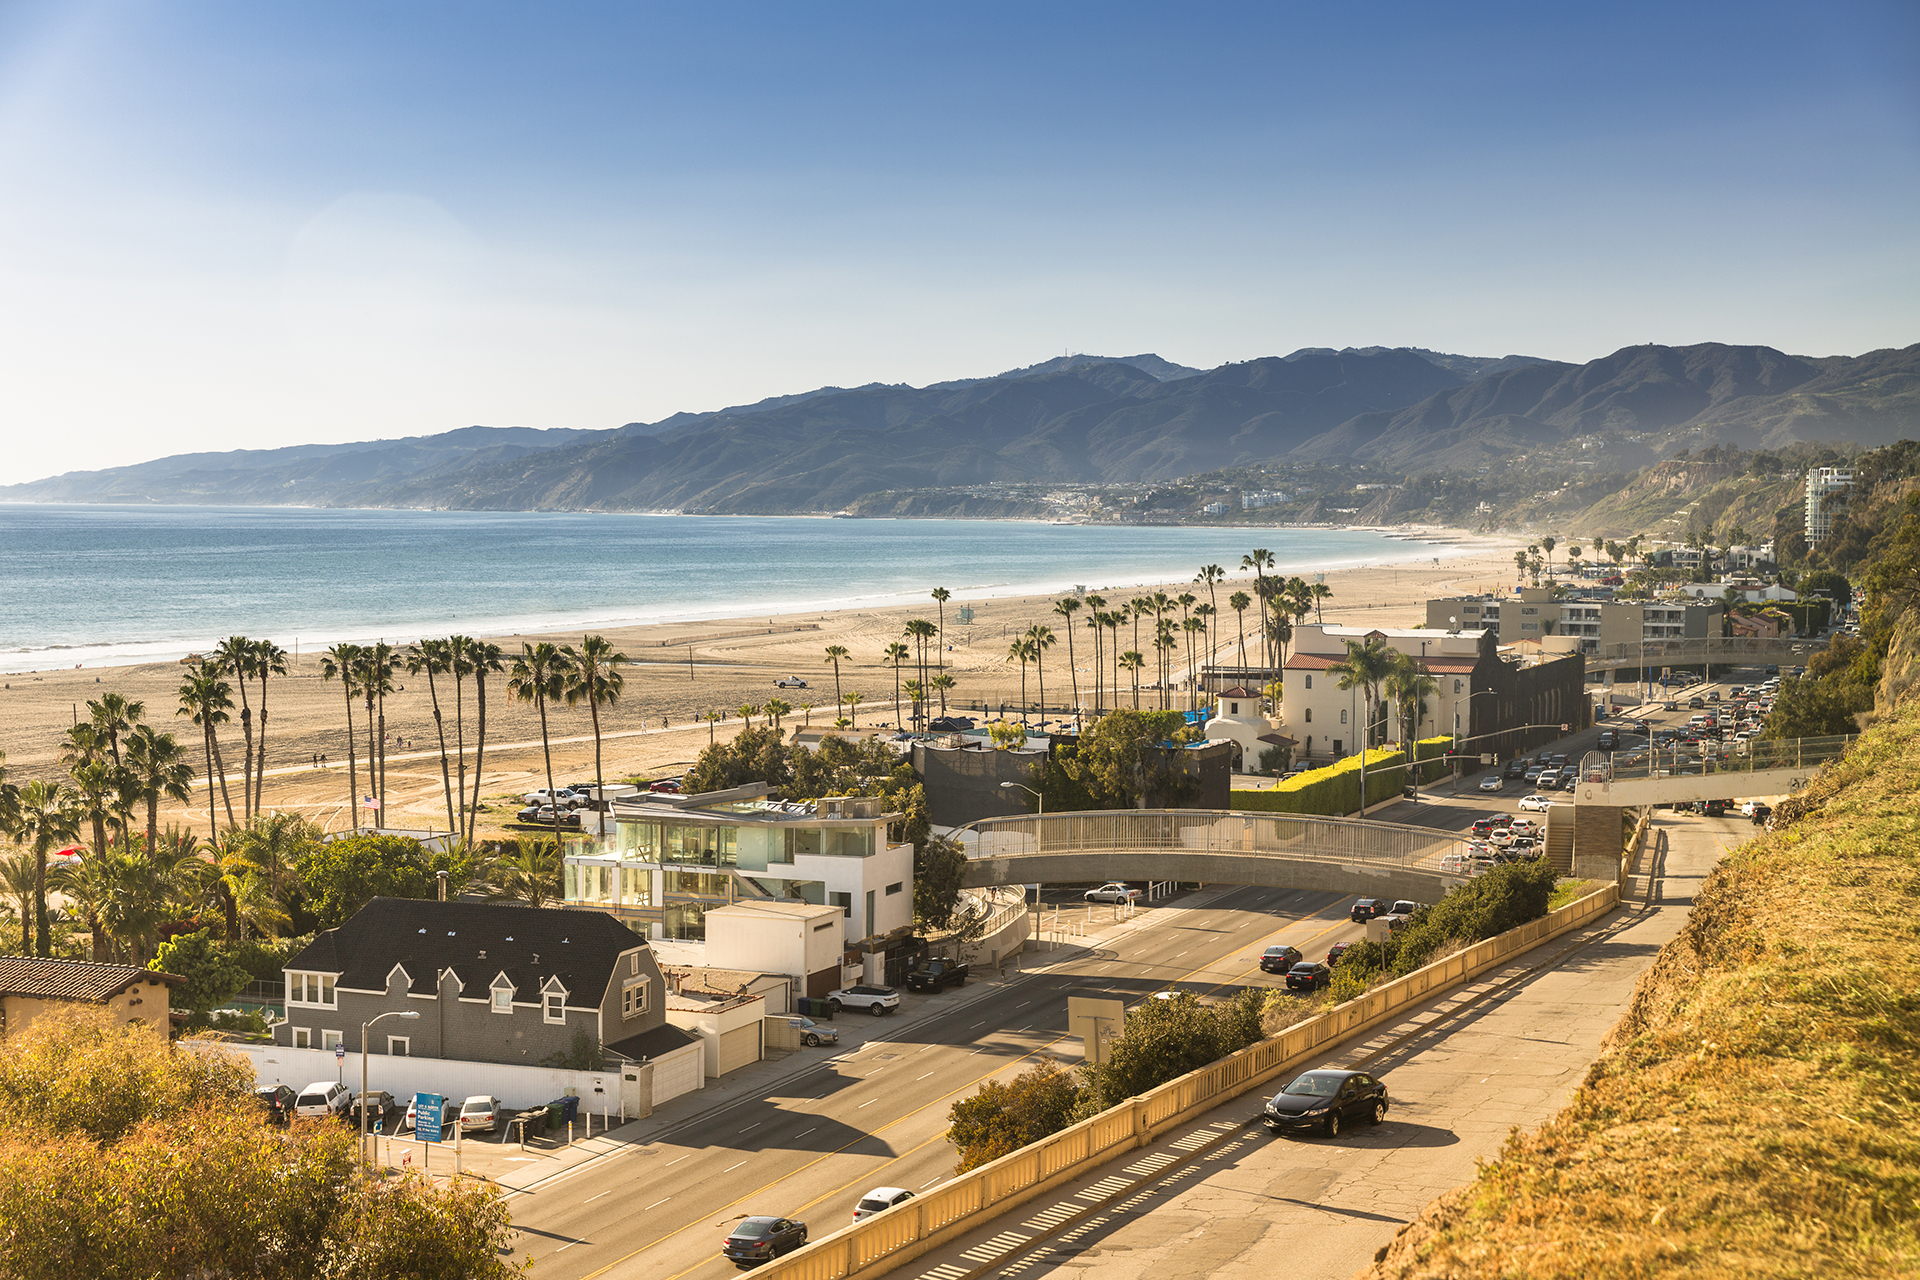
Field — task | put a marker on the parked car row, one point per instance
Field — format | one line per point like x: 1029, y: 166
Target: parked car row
x: 330, y: 1099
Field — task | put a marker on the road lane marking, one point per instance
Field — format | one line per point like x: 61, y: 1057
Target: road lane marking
x: 730, y: 1168
x: 918, y: 1079
x: 803, y: 1133
x: 755, y: 1125
x: 656, y: 1204
x: 869, y: 1102
x: 669, y: 1164
x: 925, y: 1185
x: 591, y: 1199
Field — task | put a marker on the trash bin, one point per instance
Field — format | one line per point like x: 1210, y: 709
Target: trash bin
x: 568, y: 1109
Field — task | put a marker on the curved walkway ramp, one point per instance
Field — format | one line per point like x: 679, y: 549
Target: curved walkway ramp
x: 1716, y: 771
x: 1211, y: 846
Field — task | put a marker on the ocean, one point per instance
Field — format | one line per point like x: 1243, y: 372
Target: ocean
x: 112, y: 585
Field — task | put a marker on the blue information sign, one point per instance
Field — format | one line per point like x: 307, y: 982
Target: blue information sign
x: 426, y: 1116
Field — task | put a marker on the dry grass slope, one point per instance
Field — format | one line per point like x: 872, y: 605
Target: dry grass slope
x: 1754, y: 1112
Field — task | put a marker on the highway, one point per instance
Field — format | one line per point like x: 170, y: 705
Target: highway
x: 876, y: 1116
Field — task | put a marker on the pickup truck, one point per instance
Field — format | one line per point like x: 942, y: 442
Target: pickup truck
x: 875, y: 1000
x: 936, y: 974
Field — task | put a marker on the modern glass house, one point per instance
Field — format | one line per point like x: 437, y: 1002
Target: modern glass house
x: 670, y: 859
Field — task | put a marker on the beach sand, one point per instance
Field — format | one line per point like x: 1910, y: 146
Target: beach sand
x: 735, y: 662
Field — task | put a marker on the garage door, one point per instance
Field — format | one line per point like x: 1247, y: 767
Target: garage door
x: 739, y: 1047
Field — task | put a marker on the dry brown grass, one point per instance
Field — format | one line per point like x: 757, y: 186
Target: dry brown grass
x: 1753, y: 1114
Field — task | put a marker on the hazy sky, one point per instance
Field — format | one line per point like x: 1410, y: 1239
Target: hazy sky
x: 244, y: 225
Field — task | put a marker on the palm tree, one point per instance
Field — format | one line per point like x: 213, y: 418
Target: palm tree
x: 896, y: 654
x: 1096, y: 626
x: 596, y: 680
x: 1116, y: 619
x: 941, y: 683
x: 1321, y: 593
x: 234, y: 657
x: 917, y: 692
x: 48, y: 820
x: 1238, y: 602
x: 269, y: 659
x: 1164, y: 644
x: 206, y: 700
x: 1408, y: 687
x: 540, y: 676
x: 460, y: 666
x: 273, y: 847
x: 779, y: 708
x: 1366, y: 667
x: 1194, y: 626
x: 342, y: 663
x: 113, y: 716
x: 1042, y: 638
x: 1260, y: 560
x: 432, y: 657
x: 1139, y: 607
x: 1547, y: 544
x: 747, y: 711
x: 1520, y: 560
x: 1132, y: 661
x: 379, y: 662
x: 483, y: 659
x: 17, y: 872
x: 1205, y: 611
x: 853, y: 698
x: 942, y: 595
x: 157, y: 770
x: 1211, y: 576
x: 1066, y: 607
x: 919, y: 630
x: 835, y: 654
x: 531, y: 873
x: 1021, y: 650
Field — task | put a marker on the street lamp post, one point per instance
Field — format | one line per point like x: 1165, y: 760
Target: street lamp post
x: 1041, y: 801
x: 365, y: 1028
x: 1477, y: 693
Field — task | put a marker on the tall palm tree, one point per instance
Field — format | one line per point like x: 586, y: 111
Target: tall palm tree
x: 1408, y: 686
x: 460, y: 665
x: 1042, y: 638
x: 234, y: 657
x: 1132, y: 661
x: 1164, y: 644
x: 1116, y: 618
x: 919, y: 630
x: 1210, y: 577
x: 539, y: 676
x: 1321, y: 593
x: 942, y: 595
x: 379, y: 663
x: 1138, y: 607
x: 207, y: 702
x: 342, y: 663
x: 269, y: 659
x: 1260, y: 560
x: 1238, y: 602
x: 1196, y: 626
x: 1021, y: 651
x: 96, y: 786
x: 1205, y: 612
x: 853, y: 699
x: 1366, y: 667
x: 17, y: 885
x: 836, y: 653
x: 113, y: 716
x: 48, y: 820
x: 432, y: 658
x: 1096, y: 625
x: 595, y: 679
x: 778, y: 709
x: 896, y: 654
x: 157, y: 770
x: 1066, y: 607
x: 1547, y: 544
x: 941, y: 683
x: 484, y: 658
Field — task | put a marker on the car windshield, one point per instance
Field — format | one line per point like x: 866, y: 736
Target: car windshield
x: 313, y: 1099
x: 873, y: 1205
x: 754, y: 1229
x: 1315, y: 1084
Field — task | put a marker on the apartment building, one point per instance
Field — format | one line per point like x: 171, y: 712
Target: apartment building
x: 1533, y: 613
x: 1823, y: 485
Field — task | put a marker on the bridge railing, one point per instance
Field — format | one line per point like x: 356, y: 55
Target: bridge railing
x: 1752, y: 756
x: 1283, y: 836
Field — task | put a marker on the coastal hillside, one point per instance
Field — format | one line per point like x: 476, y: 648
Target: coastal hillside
x: 1091, y: 420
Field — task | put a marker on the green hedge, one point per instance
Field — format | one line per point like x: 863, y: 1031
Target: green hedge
x: 1431, y: 753
x: 1332, y: 790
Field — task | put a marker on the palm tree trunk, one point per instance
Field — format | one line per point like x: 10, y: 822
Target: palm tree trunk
x: 260, y: 774
x: 460, y: 743
x: 213, y: 822
x: 593, y: 707
x: 382, y: 789
x: 373, y: 775
x: 546, y: 749
x: 42, y: 929
x: 1072, y: 671
x: 153, y: 821
x: 479, y: 750
x: 440, y: 731
x: 246, y: 759
x: 220, y: 764
x: 353, y: 777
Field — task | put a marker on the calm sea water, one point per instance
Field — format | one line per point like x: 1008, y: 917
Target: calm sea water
x: 104, y: 585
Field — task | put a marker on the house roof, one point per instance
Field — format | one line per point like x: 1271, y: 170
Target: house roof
x: 1238, y: 691
x: 477, y: 941
x: 1454, y: 666
x: 663, y: 1039
x: 73, y: 979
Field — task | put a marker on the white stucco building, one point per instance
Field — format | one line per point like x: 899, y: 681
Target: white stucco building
x: 1325, y: 720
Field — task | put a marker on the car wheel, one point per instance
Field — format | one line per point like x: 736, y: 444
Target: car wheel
x: 1333, y: 1124
x: 810, y: 1040
x: 834, y: 1005
x: 1379, y: 1112
x: 875, y: 1010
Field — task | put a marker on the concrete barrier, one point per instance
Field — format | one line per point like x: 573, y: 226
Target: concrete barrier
x: 875, y: 1245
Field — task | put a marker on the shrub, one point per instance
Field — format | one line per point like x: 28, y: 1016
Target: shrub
x: 1332, y: 790
x: 1001, y: 1118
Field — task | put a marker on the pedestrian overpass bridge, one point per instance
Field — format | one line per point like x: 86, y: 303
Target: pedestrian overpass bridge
x: 1212, y: 846
x: 1722, y: 771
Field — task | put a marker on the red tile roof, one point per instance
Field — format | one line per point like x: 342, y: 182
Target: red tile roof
x: 72, y: 979
x: 1459, y: 666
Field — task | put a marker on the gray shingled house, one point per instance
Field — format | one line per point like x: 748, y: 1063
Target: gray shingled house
x: 523, y: 986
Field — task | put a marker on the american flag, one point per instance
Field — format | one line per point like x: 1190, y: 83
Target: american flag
x: 371, y: 802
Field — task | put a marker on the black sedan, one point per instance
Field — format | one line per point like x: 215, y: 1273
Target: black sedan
x: 1325, y: 1100
x: 276, y: 1100
x: 756, y: 1240
x: 1308, y: 976
x: 1279, y: 959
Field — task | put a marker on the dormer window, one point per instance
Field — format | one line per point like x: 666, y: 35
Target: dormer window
x: 556, y: 1007
x: 501, y: 995
x: 310, y: 988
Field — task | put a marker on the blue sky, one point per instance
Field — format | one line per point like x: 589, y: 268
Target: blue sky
x: 237, y: 225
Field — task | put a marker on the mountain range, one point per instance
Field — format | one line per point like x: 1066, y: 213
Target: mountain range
x: 1071, y: 419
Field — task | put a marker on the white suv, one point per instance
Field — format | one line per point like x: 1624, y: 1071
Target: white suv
x: 322, y: 1098
x: 875, y: 1000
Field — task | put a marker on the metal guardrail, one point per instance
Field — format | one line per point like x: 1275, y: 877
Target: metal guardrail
x: 1296, y: 837
x: 885, y: 1240
x: 1752, y: 756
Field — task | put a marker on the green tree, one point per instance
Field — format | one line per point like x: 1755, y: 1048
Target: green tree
x: 530, y: 872
x: 1002, y: 1118
x: 836, y: 654
x: 540, y: 676
x: 157, y: 770
x: 342, y: 663
x: 213, y: 975
x: 1165, y: 1039
x: 1366, y: 667
x: 234, y: 657
x: 269, y: 659
x: 1065, y: 607
x: 483, y: 659
x: 48, y: 817
x: 754, y: 755
x: 938, y: 866
x: 207, y: 701
x: 1128, y: 759
x: 595, y: 678
x: 344, y: 875
x: 435, y: 658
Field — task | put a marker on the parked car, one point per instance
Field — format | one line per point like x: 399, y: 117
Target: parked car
x: 875, y: 1000
x: 791, y: 682
x: 1114, y: 891
x: 481, y: 1113
x: 1279, y: 959
x: 669, y: 786
x: 1404, y: 907
x: 1493, y: 782
x: 1308, y: 975
x: 322, y: 1098
x: 935, y: 974
x: 378, y: 1104
x: 812, y: 1034
x: 277, y: 1101
x: 542, y: 796
x: 547, y: 815
x: 756, y: 1240
x: 1535, y: 804
x: 1525, y: 827
x: 879, y: 1200
x: 1366, y: 909
x: 1482, y: 828
x: 1326, y: 1100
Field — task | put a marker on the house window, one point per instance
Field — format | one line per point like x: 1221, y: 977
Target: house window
x: 399, y: 1046
x: 895, y: 887
x: 1309, y: 682
x: 844, y: 901
x: 1456, y: 686
x: 310, y: 988
x: 1233, y: 708
x: 330, y: 1039
x: 503, y: 999
x: 633, y: 999
x: 1309, y: 715
x: 303, y: 1037
x: 556, y: 1007
x: 1343, y: 717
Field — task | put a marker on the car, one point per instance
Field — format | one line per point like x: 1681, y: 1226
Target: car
x: 377, y: 1103
x: 1773, y: 670
x: 812, y: 1034
x: 1549, y: 780
x: 1760, y: 814
x: 875, y: 1000
x: 1525, y: 827
x: 668, y: 786
x: 1717, y: 808
x: 481, y: 1113
x: 546, y: 815
x: 1516, y: 768
x: 1493, y: 782
x: 1713, y: 695
x: 322, y: 1098
x: 1308, y: 975
x: 1669, y: 706
x: 1482, y: 827
x: 1404, y: 907
x: 1299, y: 767
x: 1500, y: 838
x: 565, y: 797
x: 791, y: 682
x: 1559, y: 760
x: 1335, y: 951
x: 1326, y: 1100
x: 277, y: 1101
x: 1114, y: 891
x: 1696, y: 704
x: 1533, y: 774
x: 1535, y: 804
x: 1501, y: 819
x: 879, y: 1200
x: 1279, y: 959
x: 935, y: 974
x: 1452, y: 864
x: 1609, y: 740
x: 1366, y: 909
x: 756, y: 1240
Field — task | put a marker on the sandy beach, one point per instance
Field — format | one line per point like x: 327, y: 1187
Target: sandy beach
x: 653, y: 730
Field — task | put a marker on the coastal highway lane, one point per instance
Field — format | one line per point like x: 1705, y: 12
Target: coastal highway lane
x: 877, y: 1115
